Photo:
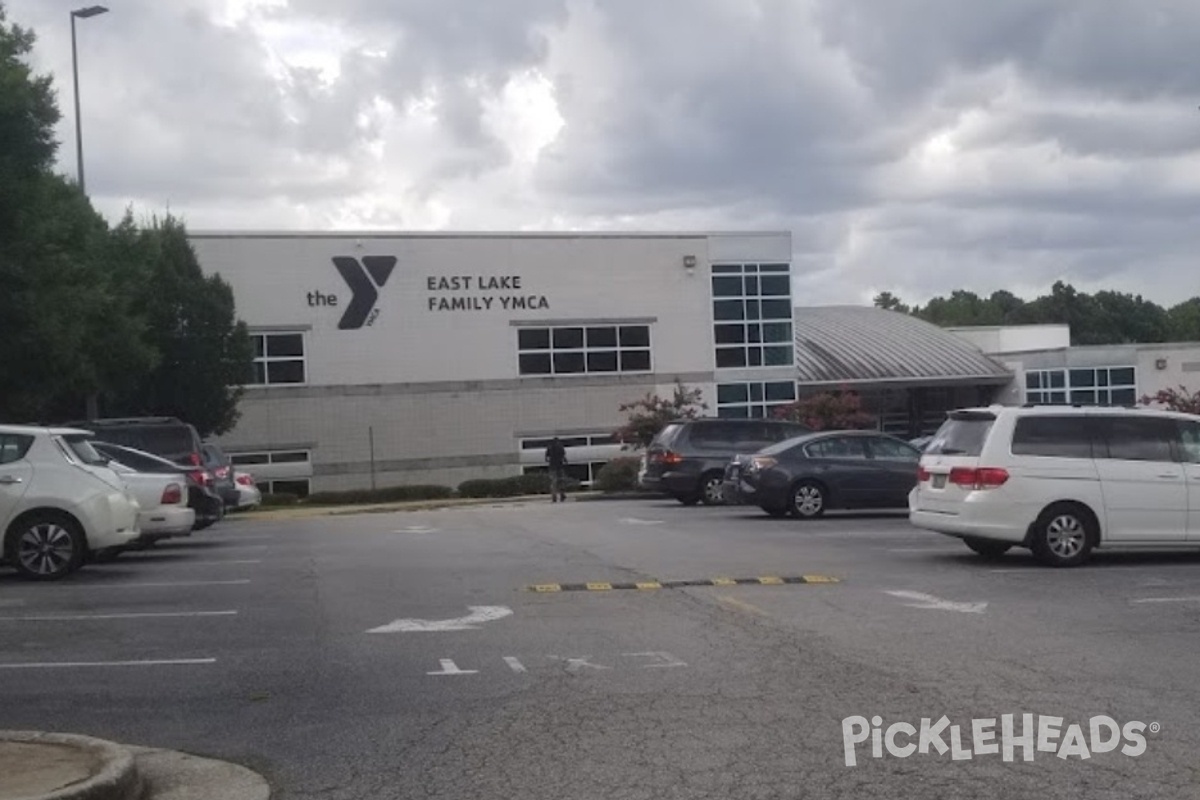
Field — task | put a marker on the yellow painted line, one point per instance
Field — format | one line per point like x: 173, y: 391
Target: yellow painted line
x: 649, y: 585
x: 742, y: 605
x: 545, y: 587
x: 820, y: 579
x: 724, y: 582
x: 771, y: 581
x: 599, y: 587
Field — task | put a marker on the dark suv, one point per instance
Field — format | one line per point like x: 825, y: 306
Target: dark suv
x: 165, y: 437
x: 687, y: 458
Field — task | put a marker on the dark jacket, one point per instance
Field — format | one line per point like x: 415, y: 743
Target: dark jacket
x: 556, y: 455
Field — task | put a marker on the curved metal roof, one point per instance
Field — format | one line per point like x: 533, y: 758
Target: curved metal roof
x: 863, y: 344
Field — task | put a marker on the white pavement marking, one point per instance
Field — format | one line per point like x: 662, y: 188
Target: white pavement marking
x: 137, y: 615
x: 921, y: 550
x: 1190, y: 599
x: 515, y: 664
x: 470, y: 622
x: 144, y: 585
x: 72, y: 664
x: 420, y: 530
x: 576, y: 664
x: 242, y: 546
x: 661, y: 657
x: 929, y: 601
x: 450, y: 668
x: 210, y: 563
x: 636, y: 521
x: 11, y: 603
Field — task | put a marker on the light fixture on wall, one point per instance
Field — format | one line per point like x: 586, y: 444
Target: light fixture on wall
x: 1160, y: 363
x: 689, y: 263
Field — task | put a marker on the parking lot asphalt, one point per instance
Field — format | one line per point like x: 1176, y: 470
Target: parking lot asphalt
x: 407, y: 655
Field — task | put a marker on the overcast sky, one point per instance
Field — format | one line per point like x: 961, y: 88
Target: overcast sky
x: 918, y: 146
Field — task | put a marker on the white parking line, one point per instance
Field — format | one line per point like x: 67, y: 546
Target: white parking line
x: 1191, y: 599
x: 145, y: 585
x: 73, y: 664
x: 206, y: 563
x: 137, y: 615
x: 921, y: 550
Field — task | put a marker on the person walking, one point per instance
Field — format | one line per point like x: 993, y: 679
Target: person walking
x: 556, y: 457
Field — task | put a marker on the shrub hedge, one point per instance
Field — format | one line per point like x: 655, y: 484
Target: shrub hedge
x: 389, y: 494
x: 512, y: 486
x: 280, y: 499
x: 619, y: 474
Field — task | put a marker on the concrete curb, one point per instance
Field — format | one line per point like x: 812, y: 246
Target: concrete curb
x: 117, y: 772
x: 302, y: 512
x: 114, y: 776
x: 172, y: 775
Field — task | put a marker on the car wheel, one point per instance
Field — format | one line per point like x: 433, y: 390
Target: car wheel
x: 808, y: 500
x: 987, y: 548
x: 46, y: 547
x: 712, y: 489
x: 1064, y: 536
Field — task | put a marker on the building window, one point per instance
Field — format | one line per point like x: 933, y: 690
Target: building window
x: 296, y: 486
x: 752, y: 315
x: 1091, y: 386
x: 584, y: 472
x: 582, y: 440
x: 278, y: 358
x: 269, y: 457
x: 584, y: 349
x: 755, y: 399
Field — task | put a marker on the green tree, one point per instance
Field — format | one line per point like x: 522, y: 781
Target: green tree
x: 64, y: 319
x: 205, y: 351
x: 890, y: 302
x: 1183, y: 321
x: 649, y: 414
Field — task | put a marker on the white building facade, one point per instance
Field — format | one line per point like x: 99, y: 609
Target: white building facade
x: 388, y: 359
x: 1047, y: 370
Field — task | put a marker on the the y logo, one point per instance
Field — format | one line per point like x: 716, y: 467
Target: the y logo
x: 365, y: 279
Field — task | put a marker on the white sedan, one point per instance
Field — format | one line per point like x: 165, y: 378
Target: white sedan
x: 59, y: 503
x: 249, y: 494
x: 163, y: 499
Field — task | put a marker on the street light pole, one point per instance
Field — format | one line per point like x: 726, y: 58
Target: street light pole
x: 81, y: 13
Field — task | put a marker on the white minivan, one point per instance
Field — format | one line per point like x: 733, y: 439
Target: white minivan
x: 1062, y: 480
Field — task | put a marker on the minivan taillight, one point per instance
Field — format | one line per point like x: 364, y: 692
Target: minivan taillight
x: 195, y: 459
x: 222, y: 473
x: 200, y: 476
x: 172, y: 495
x: 671, y: 458
x: 978, y: 477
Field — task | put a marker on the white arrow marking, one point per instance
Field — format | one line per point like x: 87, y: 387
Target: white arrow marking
x: 636, y: 521
x: 929, y: 601
x: 478, y: 614
x: 416, y: 529
x: 515, y: 664
x: 450, y: 668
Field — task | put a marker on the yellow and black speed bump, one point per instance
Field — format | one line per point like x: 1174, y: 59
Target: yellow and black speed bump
x: 652, y: 585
